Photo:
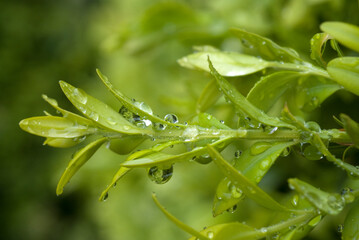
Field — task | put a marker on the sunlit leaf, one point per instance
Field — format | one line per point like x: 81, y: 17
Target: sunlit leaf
x: 270, y: 88
x: 347, y: 34
x: 79, y: 159
x: 140, y: 109
x: 247, y: 186
x: 242, y: 103
x: 326, y: 202
x: 352, y: 128
x: 99, y: 112
x: 265, y: 47
x: 178, y: 223
x: 206, y: 120
x: 351, y: 226
x: 345, y: 71
x: 208, y: 97
x: 55, y: 127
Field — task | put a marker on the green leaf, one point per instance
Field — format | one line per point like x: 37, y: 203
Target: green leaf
x: 242, y: 104
x: 351, y: 226
x: 346, y: 34
x: 79, y: 159
x: 208, y: 97
x: 254, y: 163
x: 265, y: 47
x: 247, y: 186
x: 270, y: 88
x: 55, y: 127
x: 63, y: 142
x: 66, y: 114
x: 178, y: 223
x: 317, y: 45
x: 345, y: 71
x: 352, y: 128
x: 227, y: 63
x: 206, y: 120
x: 138, y: 108
x: 99, y: 112
x: 326, y: 202
x: 159, y: 158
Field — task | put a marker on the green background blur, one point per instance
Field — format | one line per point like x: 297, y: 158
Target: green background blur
x: 136, y: 44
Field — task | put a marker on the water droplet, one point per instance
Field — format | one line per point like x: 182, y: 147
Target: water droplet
x: 203, y: 159
x: 265, y: 164
x: 286, y: 152
x: 105, y: 197
x: 232, y: 209
x: 94, y: 116
x: 144, y: 107
x: 236, y: 192
x: 259, y: 147
x: 295, y: 200
x: 264, y: 43
x: 292, y: 227
x: 237, y: 153
x: 210, y: 234
x: 171, y: 118
x: 314, y: 222
x: 272, y: 130
x: 312, y: 153
x: 347, y: 195
x: 190, y: 133
x: 336, y: 202
x: 160, y: 175
x: 340, y: 228
x: 263, y: 230
x: 80, y: 95
x: 159, y: 126
x: 111, y: 121
x: 221, y: 121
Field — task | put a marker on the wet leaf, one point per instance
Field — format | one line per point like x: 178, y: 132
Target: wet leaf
x: 206, y: 120
x: 140, y: 109
x: 242, y: 104
x: 227, y: 63
x: 265, y: 47
x: 125, y: 144
x: 270, y: 88
x: 252, y: 166
x: 352, y: 128
x: 247, y: 186
x: 98, y: 111
x: 325, y: 202
x: 208, y: 97
x: 317, y: 44
x: 55, y: 127
x: 345, y: 71
x: 79, y: 159
x: 346, y: 34
x: 178, y: 223
x: 63, y: 142
x: 351, y: 226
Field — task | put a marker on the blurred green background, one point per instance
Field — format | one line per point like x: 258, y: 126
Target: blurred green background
x: 136, y: 44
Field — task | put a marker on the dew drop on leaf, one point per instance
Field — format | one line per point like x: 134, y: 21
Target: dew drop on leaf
x: 347, y: 194
x: 232, y: 209
x: 340, y: 228
x: 160, y: 175
x: 237, y: 154
x: 259, y: 147
x: 144, y: 107
x: 314, y: 222
x: 210, y: 234
x: 80, y: 96
x: 286, y: 152
x: 312, y: 153
x: 171, y: 118
x: 295, y: 200
x: 159, y: 126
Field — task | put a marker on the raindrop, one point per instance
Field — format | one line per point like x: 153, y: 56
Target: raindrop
x: 221, y: 121
x: 265, y: 164
x: 160, y: 175
x: 336, y: 202
x: 347, y: 195
x: 286, y: 152
x: 159, y: 126
x: 314, y: 222
x: 232, y: 209
x: 144, y: 107
x: 203, y: 159
x: 295, y: 200
x: 94, y: 116
x: 171, y: 118
x: 111, y: 121
x: 259, y: 147
x: 340, y: 228
x: 105, y: 197
x: 237, y: 153
x: 210, y: 234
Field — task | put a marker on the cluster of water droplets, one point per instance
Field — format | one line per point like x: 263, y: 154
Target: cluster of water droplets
x: 134, y: 118
x: 160, y: 175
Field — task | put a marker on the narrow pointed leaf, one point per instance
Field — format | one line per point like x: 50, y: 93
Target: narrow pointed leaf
x: 317, y: 46
x: 206, y: 120
x: 265, y: 47
x: 129, y: 104
x: 351, y: 226
x: 242, y: 103
x: 55, y: 127
x: 248, y: 187
x: 98, y: 111
x: 63, y: 142
x: 125, y: 144
x: 270, y: 88
x: 79, y: 159
x: 352, y: 128
x: 345, y: 71
x: 67, y: 114
x: 178, y: 223
x: 346, y: 34
x: 326, y: 202
x: 208, y: 97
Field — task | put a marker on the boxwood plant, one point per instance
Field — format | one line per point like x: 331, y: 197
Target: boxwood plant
x: 269, y: 119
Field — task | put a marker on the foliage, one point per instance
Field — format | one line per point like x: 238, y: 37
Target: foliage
x: 267, y: 120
